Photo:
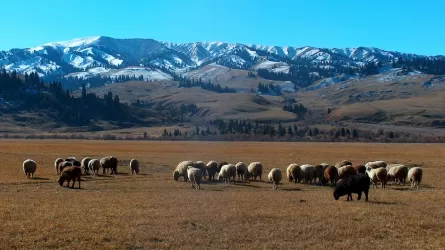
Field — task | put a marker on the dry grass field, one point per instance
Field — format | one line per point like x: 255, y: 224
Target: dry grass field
x: 151, y: 211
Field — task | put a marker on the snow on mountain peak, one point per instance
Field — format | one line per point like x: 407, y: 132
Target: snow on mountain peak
x: 77, y: 42
x: 81, y: 54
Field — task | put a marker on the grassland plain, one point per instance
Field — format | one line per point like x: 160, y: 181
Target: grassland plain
x: 151, y: 211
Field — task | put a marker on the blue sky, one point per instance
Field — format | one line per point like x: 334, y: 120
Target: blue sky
x: 402, y: 25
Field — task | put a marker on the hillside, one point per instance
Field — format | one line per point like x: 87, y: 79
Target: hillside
x: 378, y: 100
x: 194, y: 84
x: 27, y: 104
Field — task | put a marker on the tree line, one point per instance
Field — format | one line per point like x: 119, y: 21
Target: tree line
x: 427, y: 65
x: 189, y: 83
x: 30, y: 93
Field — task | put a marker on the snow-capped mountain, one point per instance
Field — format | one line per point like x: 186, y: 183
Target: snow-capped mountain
x: 155, y: 60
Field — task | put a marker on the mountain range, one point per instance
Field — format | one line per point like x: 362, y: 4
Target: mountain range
x: 157, y: 60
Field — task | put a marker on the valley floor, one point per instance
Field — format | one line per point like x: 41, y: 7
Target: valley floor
x: 152, y: 211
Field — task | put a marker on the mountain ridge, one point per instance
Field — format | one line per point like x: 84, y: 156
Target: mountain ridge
x: 81, y: 54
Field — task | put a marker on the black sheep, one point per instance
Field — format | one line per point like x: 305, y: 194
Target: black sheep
x: 220, y: 166
x: 70, y: 174
x: 352, y: 184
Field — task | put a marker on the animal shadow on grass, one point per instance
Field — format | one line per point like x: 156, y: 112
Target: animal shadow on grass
x: 402, y: 189
x: 104, y: 176
x: 291, y: 189
x: 40, y: 178
x: 381, y: 202
x: 143, y: 174
x: 246, y: 184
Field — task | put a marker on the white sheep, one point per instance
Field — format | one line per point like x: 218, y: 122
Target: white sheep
x: 84, y: 164
x: 134, y: 166
x: 377, y: 175
x: 241, y: 170
x: 293, y: 172
x: 307, y: 173
x: 275, y: 177
x: 94, y: 165
x: 56, y: 164
x: 346, y: 170
x: 212, y: 167
x: 181, y: 170
x: 415, y: 176
x: 255, y: 169
x: 376, y: 164
x: 226, y: 172
x: 342, y: 163
x: 29, y: 168
x: 397, y: 173
x: 194, y: 175
x: 201, y: 165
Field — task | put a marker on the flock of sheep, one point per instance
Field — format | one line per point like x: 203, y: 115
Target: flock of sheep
x: 70, y: 169
x: 343, y: 176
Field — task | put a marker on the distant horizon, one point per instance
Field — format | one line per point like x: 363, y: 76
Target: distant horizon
x: 404, y: 26
x: 213, y: 41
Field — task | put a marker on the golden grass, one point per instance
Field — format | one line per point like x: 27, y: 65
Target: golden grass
x: 151, y: 211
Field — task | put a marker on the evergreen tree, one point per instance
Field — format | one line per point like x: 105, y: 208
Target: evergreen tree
x: 342, y: 132
x: 289, y: 131
x: 354, y: 133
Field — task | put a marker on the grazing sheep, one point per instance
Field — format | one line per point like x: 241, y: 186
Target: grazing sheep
x: 293, y: 172
x: 331, y: 174
x: 319, y: 173
x: 181, y: 170
x: 375, y: 164
x: 241, y: 170
x: 415, y: 176
x: 346, y: 171
x: 64, y: 164
x: 360, y: 169
x: 377, y: 175
x: 109, y: 162
x: 212, y: 167
x: 56, y: 164
x: 84, y: 164
x: 307, y: 173
x: 255, y: 169
x: 201, y: 165
x: 397, y: 173
x: 70, y: 174
x: 74, y: 162
x: 29, y: 168
x: 94, y: 165
x: 352, y: 184
x: 194, y: 175
x: 134, y: 166
x: 220, y: 165
x: 275, y: 177
x: 227, y: 171
x: 342, y: 163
